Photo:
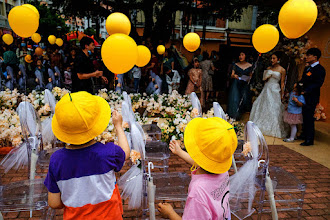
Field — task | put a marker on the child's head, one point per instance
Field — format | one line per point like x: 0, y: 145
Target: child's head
x: 80, y: 117
x: 298, y: 88
x: 211, y: 143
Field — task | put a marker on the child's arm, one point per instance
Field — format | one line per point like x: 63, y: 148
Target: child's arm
x: 176, y: 149
x: 298, y: 103
x: 54, y: 200
x: 117, y: 120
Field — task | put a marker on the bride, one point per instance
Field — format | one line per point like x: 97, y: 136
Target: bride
x: 267, y: 110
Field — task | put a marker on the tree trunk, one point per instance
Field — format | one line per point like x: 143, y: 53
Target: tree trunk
x: 148, y: 8
x: 204, y: 28
x: 97, y: 28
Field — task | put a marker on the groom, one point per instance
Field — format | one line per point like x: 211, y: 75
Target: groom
x: 312, y: 80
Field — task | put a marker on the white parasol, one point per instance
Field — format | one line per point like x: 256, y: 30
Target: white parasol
x: 151, y: 189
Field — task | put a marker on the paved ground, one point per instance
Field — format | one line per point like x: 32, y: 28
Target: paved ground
x: 315, y: 175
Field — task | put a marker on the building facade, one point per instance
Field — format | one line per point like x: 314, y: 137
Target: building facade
x: 5, y: 7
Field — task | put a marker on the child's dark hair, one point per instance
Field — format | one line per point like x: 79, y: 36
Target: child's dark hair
x: 299, y: 88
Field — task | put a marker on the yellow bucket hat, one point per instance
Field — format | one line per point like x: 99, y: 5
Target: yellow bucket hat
x: 211, y: 143
x: 80, y: 117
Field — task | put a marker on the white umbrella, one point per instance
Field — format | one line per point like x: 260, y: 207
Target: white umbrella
x: 151, y: 193
x: 270, y: 191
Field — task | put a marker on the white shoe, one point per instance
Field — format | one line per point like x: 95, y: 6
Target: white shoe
x: 288, y: 140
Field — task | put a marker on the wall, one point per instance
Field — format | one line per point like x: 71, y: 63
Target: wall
x: 320, y: 37
x: 246, y: 20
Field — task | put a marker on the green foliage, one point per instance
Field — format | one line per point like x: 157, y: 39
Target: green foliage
x: 49, y: 22
x: 90, y: 31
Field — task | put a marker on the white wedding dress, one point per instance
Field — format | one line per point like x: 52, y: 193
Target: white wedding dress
x: 267, y: 110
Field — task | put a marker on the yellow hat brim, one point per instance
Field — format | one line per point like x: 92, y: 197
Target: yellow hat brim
x: 100, y: 125
x: 190, y: 134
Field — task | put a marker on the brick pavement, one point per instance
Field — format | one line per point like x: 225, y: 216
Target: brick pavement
x: 317, y: 177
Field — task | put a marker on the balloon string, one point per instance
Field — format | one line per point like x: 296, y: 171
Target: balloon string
x: 253, y: 70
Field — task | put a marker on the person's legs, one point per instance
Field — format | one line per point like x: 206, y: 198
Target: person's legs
x: 293, y: 131
x: 308, y: 117
x: 136, y: 84
x: 207, y: 96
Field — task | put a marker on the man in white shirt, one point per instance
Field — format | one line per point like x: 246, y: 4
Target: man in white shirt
x: 173, y: 79
x: 136, y: 71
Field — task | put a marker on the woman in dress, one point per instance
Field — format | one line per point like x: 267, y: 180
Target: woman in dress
x: 239, y: 99
x: 195, y: 78
x: 267, y: 110
x: 208, y: 71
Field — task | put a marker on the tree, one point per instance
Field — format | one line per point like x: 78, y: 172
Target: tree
x: 50, y: 21
x: 90, y: 32
x: 159, y: 14
x: 91, y: 9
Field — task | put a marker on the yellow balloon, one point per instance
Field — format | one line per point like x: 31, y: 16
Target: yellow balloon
x: 36, y: 38
x: 191, y: 41
x: 59, y: 42
x: 8, y: 39
x: 144, y: 56
x: 296, y: 17
x: 51, y: 39
x: 118, y: 23
x: 33, y: 9
x: 160, y: 49
x: 265, y: 38
x: 23, y: 20
x: 119, y: 53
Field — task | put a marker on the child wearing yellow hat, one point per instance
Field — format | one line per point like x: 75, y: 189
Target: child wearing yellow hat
x: 210, y: 144
x: 81, y: 177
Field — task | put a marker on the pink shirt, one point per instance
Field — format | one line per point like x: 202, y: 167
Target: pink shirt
x: 208, y: 197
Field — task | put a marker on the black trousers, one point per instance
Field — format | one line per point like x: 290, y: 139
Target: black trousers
x: 308, y: 118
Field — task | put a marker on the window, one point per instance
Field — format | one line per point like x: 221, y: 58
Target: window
x: 211, y: 21
x: 8, y: 8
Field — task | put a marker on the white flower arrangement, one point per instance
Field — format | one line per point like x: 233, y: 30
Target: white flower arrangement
x: 171, y: 112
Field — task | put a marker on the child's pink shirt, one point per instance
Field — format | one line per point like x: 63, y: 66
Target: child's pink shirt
x: 208, y: 197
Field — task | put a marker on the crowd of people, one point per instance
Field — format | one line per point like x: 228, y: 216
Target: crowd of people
x: 27, y: 67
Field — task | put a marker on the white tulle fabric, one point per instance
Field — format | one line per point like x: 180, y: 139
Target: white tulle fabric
x: 18, y: 156
x: 27, y: 118
x: 218, y: 111
x: 50, y: 100
x: 267, y: 111
x: 242, y: 183
x: 195, y: 103
x: 48, y: 136
x: 131, y: 182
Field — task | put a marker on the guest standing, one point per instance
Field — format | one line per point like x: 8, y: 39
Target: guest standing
x: 83, y: 69
x: 312, y: 80
x: 195, y: 78
x: 208, y: 72
x: 137, y: 76
x: 293, y: 115
x: 239, y: 89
